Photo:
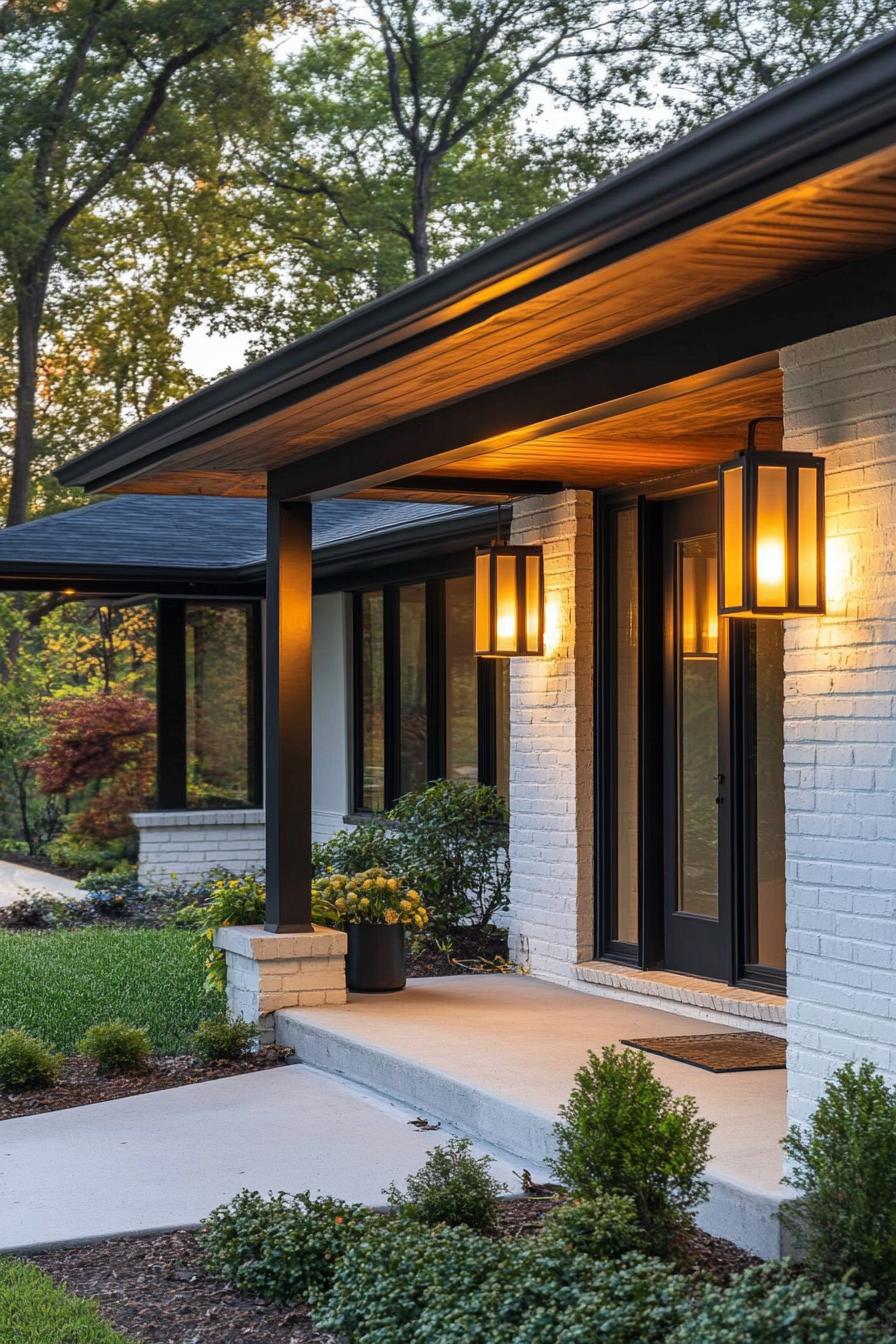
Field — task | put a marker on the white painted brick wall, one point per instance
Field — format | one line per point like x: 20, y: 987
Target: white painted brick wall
x: 551, y: 747
x: 187, y: 844
x: 840, y: 720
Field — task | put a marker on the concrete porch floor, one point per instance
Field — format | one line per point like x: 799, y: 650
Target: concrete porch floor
x: 496, y: 1056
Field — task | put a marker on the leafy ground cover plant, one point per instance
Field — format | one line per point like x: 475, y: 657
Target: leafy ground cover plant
x: 116, y: 1047
x: 284, y: 1248
x: 58, y: 984
x: 622, y: 1131
x: 216, y: 1038
x: 452, y: 1187
x: 843, y: 1164
x: 452, y: 841
x: 34, y: 911
x: 26, y: 1061
x: 34, y: 1311
x: 232, y: 900
x: 772, y: 1305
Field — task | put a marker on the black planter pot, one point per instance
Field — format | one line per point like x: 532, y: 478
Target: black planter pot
x: 374, y: 963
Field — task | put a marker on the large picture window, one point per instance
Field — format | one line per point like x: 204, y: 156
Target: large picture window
x: 425, y: 707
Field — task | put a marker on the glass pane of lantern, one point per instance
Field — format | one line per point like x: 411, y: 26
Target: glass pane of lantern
x: 807, y: 536
x: 533, y: 603
x: 483, y: 603
x: 771, y: 537
x: 733, y: 532
x: 505, y: 584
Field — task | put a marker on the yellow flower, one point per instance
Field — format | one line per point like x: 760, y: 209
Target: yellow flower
x: 339, y: 903
x: 364, y: 902
x: 391, y: 916
x: 414, y: 896
x: 368, y: 885
x: 381, y: 882
x: 405, y: 905
x: 393, y: 884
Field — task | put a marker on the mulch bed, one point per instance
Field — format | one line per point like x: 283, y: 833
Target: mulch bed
x: 156, y: 1289
x: 469, y: 955
x: 81, y: 1083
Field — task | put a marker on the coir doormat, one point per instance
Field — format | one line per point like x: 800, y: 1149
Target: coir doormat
x: 727, y: 1052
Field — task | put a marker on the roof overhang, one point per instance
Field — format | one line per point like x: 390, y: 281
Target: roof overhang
x: 775, y: 224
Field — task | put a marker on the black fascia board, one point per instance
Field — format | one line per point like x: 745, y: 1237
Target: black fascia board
x: 834, y: 115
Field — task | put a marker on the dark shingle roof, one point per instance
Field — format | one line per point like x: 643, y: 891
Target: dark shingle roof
x: 193, y: 533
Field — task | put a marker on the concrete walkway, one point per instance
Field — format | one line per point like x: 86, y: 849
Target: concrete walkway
x: 498, y: 1054
x: 17, y: 880
x: 165, y: 1159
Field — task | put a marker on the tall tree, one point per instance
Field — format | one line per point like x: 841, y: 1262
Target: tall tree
x: 408, y: 132
x: 87, y: 88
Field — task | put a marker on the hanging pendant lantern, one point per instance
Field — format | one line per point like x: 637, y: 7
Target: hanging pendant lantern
x: 509, y: 609
x: 771, y: 532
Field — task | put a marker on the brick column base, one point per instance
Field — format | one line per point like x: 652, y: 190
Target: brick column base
x: 267, y: 971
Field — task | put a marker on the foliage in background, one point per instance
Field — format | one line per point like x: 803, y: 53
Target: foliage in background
x: 104, y: 746
x: 232, y: 900
x: 33, y: 1310
x: 622, y: 1131
x: 452, y: 1187
x: 284, y: 1248
x: 59, y: 985
x: 26, y: 1061
x: 452, y: 839
x: 843, y: 1166
x: 116, y: 1047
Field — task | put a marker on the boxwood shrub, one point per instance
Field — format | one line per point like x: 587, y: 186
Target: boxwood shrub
x: 283, y: 1248
x: 451, y: 1187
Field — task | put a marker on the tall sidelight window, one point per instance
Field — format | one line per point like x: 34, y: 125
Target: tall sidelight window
x: 765, y: 940
x: 697, y: 637
x: 412, y: 685
x: 624, y: 909
x: 461, y: 712
x: 371, y: 791
x: 425, y: 707
x: 220, y: 692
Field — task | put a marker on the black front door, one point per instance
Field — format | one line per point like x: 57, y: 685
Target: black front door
x: 697, y: 896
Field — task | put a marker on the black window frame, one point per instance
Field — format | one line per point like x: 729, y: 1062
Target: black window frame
x: 436, y: 725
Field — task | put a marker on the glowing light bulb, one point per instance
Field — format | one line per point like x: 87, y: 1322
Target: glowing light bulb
x: 507, y: 626
x: 770, y: 562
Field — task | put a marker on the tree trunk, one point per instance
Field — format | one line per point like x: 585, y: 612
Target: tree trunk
x: 29, y: 311
x: 420, y: 207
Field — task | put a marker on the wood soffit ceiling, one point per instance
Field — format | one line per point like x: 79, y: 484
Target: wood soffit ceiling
x: 838, y: 217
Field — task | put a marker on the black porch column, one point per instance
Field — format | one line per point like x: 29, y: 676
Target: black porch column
x: 288, y: 718
x: 171, y: 704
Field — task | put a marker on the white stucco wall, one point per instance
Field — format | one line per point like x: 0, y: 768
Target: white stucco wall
x: 840, y: 720
x: 551, y: 920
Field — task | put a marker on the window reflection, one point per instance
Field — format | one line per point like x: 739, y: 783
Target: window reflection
x: 412, y: 685
x: 218, y: 701
x: 372, y: 703
x: 461, y: 721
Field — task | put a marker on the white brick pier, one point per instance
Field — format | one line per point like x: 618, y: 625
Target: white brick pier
x: 268, y: 971
x: 840, y: 720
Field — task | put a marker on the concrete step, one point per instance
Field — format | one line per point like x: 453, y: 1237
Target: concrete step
x: 743, y: 1213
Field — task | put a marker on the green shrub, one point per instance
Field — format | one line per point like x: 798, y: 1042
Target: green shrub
x: 404, y: 1284
x: 284, y: 1248
x: 452, y: 839
x: 116, y: 1047
x: 603, y: 1227
x: 451, y: 1187
x: 231, y: 900
x: 622, y: 1131
x: 844, y: 1167
x: 25, y: 1061
x: 371, y: 845
x: 393, y: 1275
x: 772, y: 1305
x: 218, y: 1039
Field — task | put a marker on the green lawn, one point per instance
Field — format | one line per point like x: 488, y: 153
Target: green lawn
x: 56, y: 985
x: 34, y: 1311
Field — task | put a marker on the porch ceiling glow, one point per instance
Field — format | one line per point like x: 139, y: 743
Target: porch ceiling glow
x: 774, y: 224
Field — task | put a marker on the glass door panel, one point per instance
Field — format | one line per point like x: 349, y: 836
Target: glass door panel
x: 697, y: 641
